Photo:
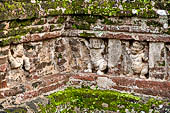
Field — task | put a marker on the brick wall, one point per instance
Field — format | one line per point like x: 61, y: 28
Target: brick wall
x: 47, y: 45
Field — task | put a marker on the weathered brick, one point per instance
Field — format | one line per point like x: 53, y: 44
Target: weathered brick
x: 3, y: 60
x: 120, y: 81
x: 3, y: 67
x: 3, y: 84
x: 147, y: 91
x: 121, y: 88
x: 86, y: 77
x: 14, y: 91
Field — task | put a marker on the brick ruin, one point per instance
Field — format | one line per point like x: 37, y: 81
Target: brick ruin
x: 48, y: 45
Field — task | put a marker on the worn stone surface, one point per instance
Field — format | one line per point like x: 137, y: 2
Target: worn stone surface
x: 157, y: 61
x: 104, y: 82
x: 45, y: 45
x: 97, y: 59
x: 114, y: 56
x: 59, y: 82
x: 128, y: 58
x: 168, y: 61
x: 139, y: 58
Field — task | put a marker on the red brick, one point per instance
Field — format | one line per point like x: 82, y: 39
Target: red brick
x: 14, y: 91
x: 51, y: 35
x: 165, y: 85
x: 30, y: 94
x: 3, y: 67
x: 123, y: 36
x: 3, y: 84
x: 54, y: 78
x: 121, y: 88
x: 86, y: 78
x: 118, y: 36
x: 49, y: 88
x: 3, y: 60
x: 123, y: 81
x: 38, y: 37
x: 147, y: 92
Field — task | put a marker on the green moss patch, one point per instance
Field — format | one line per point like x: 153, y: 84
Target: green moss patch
x: 91, y: 100
x: 13, y: 39
x: 14, y: 10
x: 19, y: 23
x: 85, y: 34
x: 154, y: 23
x: 168, y: 31
x: 16, y: 110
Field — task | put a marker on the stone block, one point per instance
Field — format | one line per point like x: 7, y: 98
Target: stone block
x: 157, y: 60
x: 104, y: 82
x: 3, y: 60
x: 129, y: 58
x: 118, y: 57
x: 3, y: 84
x: 168, y: 61
x: 4, y: 51
x: 114, y: 56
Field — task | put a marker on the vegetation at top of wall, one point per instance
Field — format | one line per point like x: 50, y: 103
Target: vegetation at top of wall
x: 12, y: 39
x: 22, y: 13
x: 18, y: 23
x: 10, y: 10
x: 26, y: 10
x: 92, y: 100
x: 168, y: 31
x: 154, y: 23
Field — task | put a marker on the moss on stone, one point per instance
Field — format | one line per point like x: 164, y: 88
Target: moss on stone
x: 86, y: 18
x: 52, y: 27
x: 2, y: 25
x: 25, y: 22
x: 29, y: 10
x: 81, y: 26
x: 154, y: 23
x: 168, y: 31
x: 16, y: 110
x: 55, y: 12
x: 148, y: 14
x: 21, y: 31
x: 40, y: 22
x: 108, y: 22
x: 61, y: 19
x: 84, y: 21
x: 36, y: 30
x: 2, y: 34
x: 7, y: 41
x: 161, y: 63
x: 85, y: 34
x: 91, y: 100
x: 14, y: 24
x: 18, y: 23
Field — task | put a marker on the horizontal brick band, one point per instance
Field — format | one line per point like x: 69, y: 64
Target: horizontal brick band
x: 56, y: 81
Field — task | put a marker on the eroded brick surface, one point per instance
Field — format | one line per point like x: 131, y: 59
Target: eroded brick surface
x: 42, y: 51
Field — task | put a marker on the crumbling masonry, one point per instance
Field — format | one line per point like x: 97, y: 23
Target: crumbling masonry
x: 47, y: 45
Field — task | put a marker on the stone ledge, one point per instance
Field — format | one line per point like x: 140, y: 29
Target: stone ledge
x: 117, y: 35
x: 85, y: 34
